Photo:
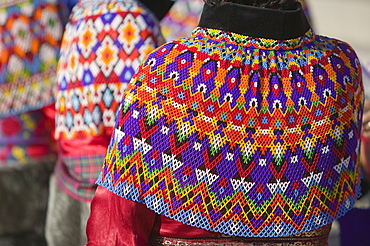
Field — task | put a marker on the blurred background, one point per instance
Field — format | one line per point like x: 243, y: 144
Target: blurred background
x: 345, y: 20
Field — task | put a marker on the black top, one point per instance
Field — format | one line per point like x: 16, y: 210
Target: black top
x: 255, y: 21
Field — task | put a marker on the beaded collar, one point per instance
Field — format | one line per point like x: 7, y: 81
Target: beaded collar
x: 248, y: 41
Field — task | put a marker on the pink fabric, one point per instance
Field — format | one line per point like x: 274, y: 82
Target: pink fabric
x: 116, y: 221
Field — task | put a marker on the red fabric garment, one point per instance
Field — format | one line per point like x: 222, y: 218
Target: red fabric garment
x: 121, y: 222
x: 117, y: 221
x: 96, y: 145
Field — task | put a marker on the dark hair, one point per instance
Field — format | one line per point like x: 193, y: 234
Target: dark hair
x: 281, y: 4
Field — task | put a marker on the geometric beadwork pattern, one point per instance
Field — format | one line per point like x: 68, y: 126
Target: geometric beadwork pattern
x: 104, y: 43
x: 31, y: 32
x: 240, y: 135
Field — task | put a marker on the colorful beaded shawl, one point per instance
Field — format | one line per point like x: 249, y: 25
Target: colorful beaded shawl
x: 31, y: 32
x: 248, y: 135
x: 30, y: 36
x: 104, y: 43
